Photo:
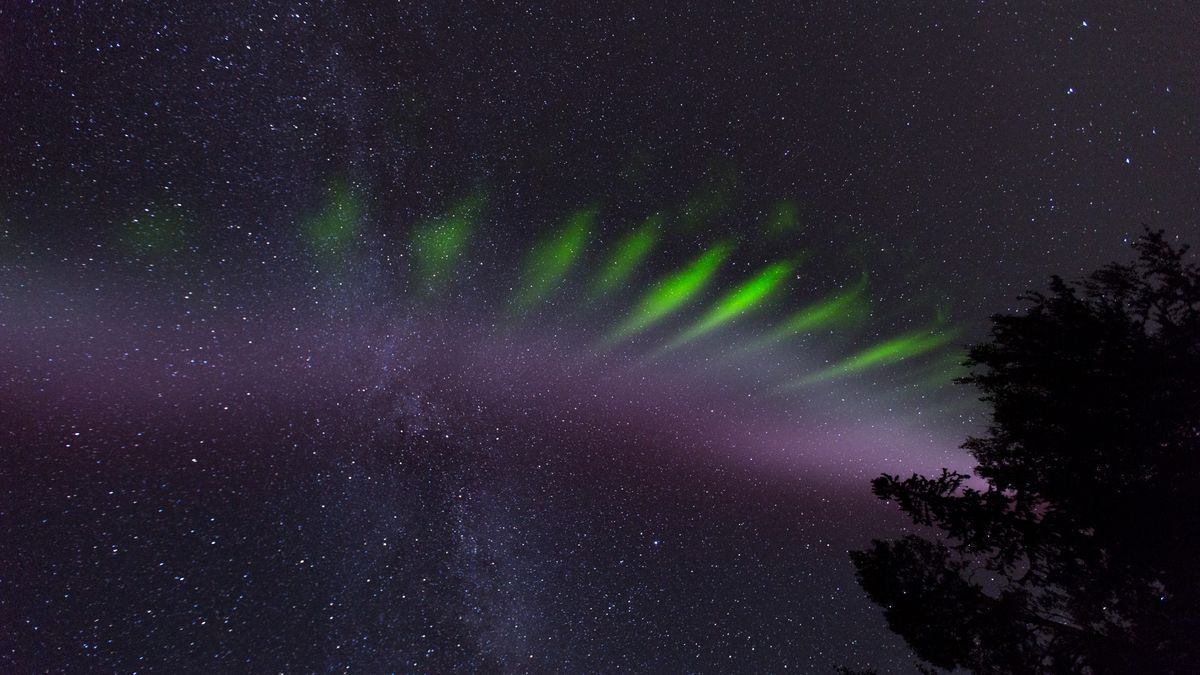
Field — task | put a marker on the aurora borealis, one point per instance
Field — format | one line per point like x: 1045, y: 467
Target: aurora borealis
x: 497, y: 338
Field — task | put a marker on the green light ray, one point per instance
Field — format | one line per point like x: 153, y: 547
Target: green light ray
x: 626, y: 256
x: 746, y: 297
x: 908, y: 345
x: 330, y: 232
x: 942, y: 372
x: 671, y: 293
x: 157, y: 229
x: 783, y: 219
x: 844, y: 308
x: 552, y: 257
x: 702, y: 209
x: 710, y: 201
x: 437, y: 244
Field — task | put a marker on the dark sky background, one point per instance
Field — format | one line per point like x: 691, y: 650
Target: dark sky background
x: 243, y: 431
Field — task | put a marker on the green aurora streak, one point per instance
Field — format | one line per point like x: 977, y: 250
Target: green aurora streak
x: 437, y: 244
x: 894, y: 350
x: 330, y: 233
x: 842, y: 309
x: 945, y: 370
x: 672, y: 293
x: 157, y: 230
x: 784, y: 218
x: 552, y: 257
x: 628, y: 253
x: 744, y: 298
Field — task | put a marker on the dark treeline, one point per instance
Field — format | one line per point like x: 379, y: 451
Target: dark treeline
x: 1077, y: 547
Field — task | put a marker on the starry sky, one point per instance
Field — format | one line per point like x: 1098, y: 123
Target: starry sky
x: 465, y: 337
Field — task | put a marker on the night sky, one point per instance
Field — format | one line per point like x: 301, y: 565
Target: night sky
x: 372, y: 337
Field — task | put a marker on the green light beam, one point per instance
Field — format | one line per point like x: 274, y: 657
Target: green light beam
x: 437, y: 244
x: 672, y: 293
x: 629, y: 252
x: 843, y: 308
x: 552, y: 257
x: 710, y: 201
x: 944, y: 371
x: 330, y: 232
x: 157, y: 230
x: 784, y: 218
x: 735, y: 303
x: 908, y: 345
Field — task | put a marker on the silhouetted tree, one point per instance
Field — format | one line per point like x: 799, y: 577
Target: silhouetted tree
x: 1074, y: 549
